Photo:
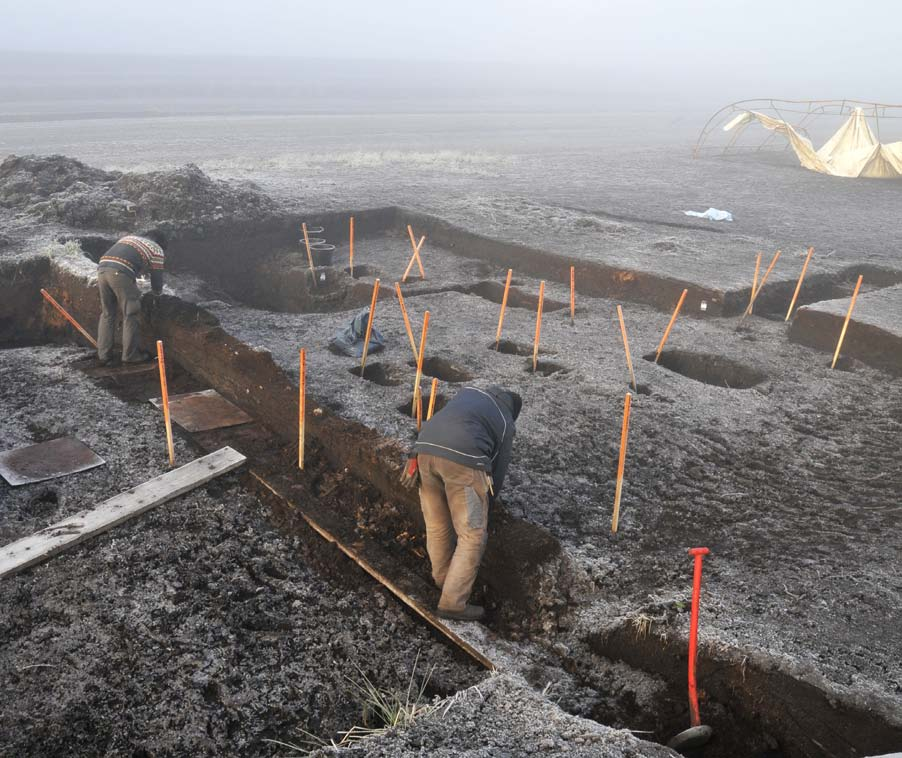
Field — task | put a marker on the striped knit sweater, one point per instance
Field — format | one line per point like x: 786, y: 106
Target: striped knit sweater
x: 136, y: 256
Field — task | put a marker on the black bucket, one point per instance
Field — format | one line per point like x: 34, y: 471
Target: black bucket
x: 322, y: 254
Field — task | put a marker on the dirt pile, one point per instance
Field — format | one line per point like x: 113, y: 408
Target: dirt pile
x: 60, y: 189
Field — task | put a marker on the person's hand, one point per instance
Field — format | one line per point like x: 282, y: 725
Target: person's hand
x: 410, y: 474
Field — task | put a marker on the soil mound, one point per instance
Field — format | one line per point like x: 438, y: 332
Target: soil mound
x: 56, y: 188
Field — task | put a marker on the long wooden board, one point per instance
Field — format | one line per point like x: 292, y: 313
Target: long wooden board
x: 69, y: 532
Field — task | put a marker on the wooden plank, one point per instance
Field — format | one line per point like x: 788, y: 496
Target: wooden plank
x: 69, y: 532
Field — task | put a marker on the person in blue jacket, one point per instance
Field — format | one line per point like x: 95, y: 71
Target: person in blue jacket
x: 460, y: 459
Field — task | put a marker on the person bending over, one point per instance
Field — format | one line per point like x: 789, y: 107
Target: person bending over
x: 460, y: 458
x: 117, y: 272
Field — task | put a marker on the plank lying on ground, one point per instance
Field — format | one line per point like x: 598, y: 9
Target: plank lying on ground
x: 64, y: 534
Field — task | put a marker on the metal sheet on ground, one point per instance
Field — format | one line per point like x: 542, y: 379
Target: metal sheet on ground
x: 47, y: 460
x: 202, y: 411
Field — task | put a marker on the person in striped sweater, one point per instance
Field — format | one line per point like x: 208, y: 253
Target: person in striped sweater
x: 117, y: 273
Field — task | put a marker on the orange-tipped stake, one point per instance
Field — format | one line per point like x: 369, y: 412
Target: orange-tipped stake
x: 673, y: 318
x: 62, y: 311
x: 415, y: 257
x: 309, y: 254
x: 621, y: 462
x: 535, y: 346
x: 626, y: 349
x: 572, y: 294
x: 302, y: 407
x: 416, y: 251
x: 432, y: 394
x: 507, y: 287
x: 419, y: 411
x: 420, y: 356
x: 413, y: 344
x: 795, y: 294
x: 351, y: 242
x: 845, y: 324
x: 770, y: 267
x: 755, y: 281
x: 164, y: 395
x: 369, y: 328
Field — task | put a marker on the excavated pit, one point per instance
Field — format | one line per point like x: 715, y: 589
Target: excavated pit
x: 407, y: 408
x: 379, y: 373
x: 545, y: 368
x: 443, y: 370
x: 509, y: 347
x: 746, y: 723
x: 711, y: 369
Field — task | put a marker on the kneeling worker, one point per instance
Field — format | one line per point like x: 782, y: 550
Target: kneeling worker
x: 462, y: 455
x: 117, y: 272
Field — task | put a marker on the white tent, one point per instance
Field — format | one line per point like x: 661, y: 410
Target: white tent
x: 852, y: 151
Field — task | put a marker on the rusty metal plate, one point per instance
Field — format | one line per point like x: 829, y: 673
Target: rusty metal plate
x: 47, y: 460
x: 202, y: 411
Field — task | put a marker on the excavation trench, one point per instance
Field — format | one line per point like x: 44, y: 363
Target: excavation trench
x: 351, y: 497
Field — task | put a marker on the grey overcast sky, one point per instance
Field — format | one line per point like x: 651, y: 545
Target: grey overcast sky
x: 786, y: 48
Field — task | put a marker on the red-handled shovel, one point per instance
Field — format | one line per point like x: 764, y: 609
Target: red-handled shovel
x: 697, y: 734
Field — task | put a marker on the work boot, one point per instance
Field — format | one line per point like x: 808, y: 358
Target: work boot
x: 142, y: 357
x: 108, y: 361
x: 469, y: 613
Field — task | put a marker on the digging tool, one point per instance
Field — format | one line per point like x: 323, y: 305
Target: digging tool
x: 309, y: 254
x: 845, y: 324
x: 302, y: 407
x: 795, y: 295
x: 697, y: 734
x: 369, y: 328
x: 507, y: 287
x: 351, y: 242
x: 164, y: 395
x: 413, y: 344
x: 62, y: 311
x: 535, y: 347
x: 673, y: 318
x: 415, y: 257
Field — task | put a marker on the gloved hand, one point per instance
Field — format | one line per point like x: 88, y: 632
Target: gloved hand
x: 410, y: 474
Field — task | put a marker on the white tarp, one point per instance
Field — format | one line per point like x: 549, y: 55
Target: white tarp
x: 852, y: 151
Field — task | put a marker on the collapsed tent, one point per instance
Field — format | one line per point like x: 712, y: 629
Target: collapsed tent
x: 852, y: 151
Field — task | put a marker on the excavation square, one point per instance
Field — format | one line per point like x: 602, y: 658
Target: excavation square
x: 47, y: 460
x: 202, y: 411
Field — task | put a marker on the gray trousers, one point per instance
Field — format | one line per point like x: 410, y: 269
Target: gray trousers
x: 118, y: 294
x: 455, y: 504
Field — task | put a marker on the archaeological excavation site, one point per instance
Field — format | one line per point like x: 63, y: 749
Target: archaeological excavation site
x: 258, y: 584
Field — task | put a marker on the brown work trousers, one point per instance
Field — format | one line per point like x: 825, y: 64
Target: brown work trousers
x: 118, y: 294
x: 455, y: 504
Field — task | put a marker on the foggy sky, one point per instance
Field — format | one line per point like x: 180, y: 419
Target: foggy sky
x: 703, y: 49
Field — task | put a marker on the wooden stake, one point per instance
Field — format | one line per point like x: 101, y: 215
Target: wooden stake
x: 415, y: 257
x: 164, y: 395
x: 302, y: 407
x: 626, y: 349
x: 351, y: 238
x: 507, y: 286
x: 413, y: 344
x: 572, y: 294
x: 432, y: 394
x: 673, y: 318
x: 795, y: 295
x: 416, y: 250
x: 420, y: 356
x: 760, y: 286
x: 535, y: 346
x: 369, y: 328
x: 309, y: 254
x: 755, y: 281
x: 419, y: 411
x: 62, y: 311
x: 624, y: 431
x: 845, y: 325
